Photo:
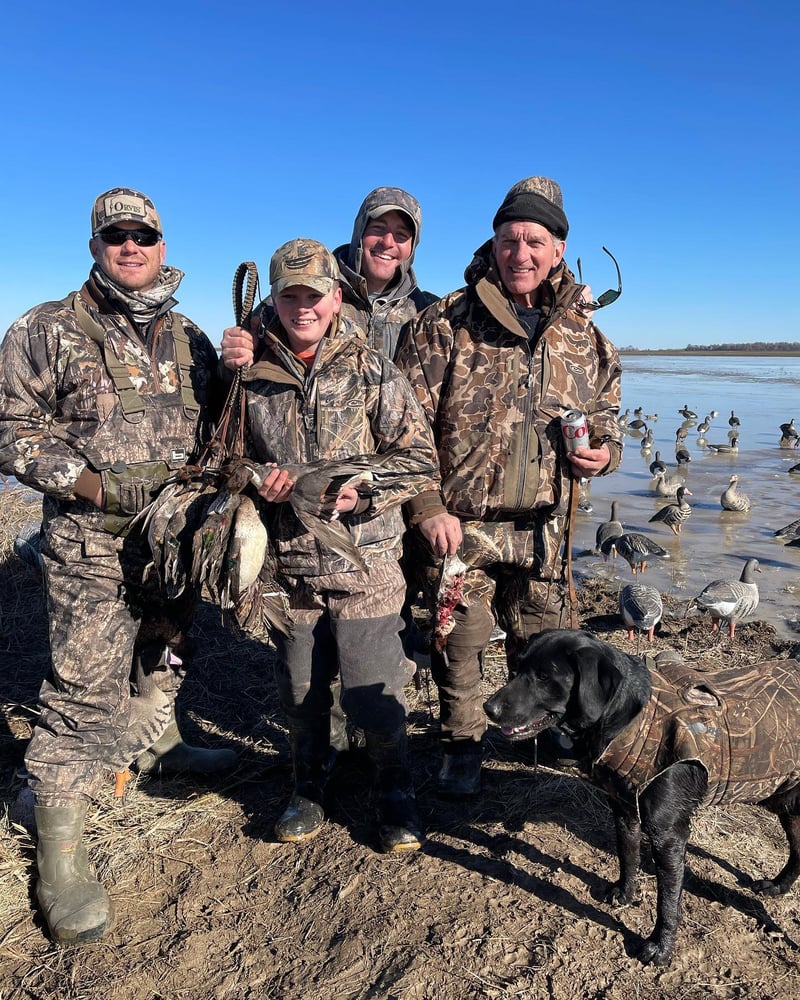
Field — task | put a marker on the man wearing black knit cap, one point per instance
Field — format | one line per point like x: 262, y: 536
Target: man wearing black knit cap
x: 496, y: 365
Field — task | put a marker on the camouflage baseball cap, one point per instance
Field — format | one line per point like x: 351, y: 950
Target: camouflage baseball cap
x: 544, y: 186
x: 124, y: 205
x: 534, y: 199
x: 303, y: 262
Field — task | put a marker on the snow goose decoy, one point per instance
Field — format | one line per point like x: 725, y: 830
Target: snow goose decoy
x: 730, y: 601
x: 674, y: 514
x: 732, y: 499
x: 641, y: 607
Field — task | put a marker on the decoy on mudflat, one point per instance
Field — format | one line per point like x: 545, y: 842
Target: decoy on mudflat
x: 791, y: 532
x: 641, y: 608
x: 636, y: 548
x: 674, y: 514
x: 732, y: 499
x: 608, y: 530
x: 730, y: 601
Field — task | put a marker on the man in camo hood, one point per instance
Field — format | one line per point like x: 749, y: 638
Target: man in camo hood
x: 378, y: 282
x: 496, y: 365
x: 103, y: 395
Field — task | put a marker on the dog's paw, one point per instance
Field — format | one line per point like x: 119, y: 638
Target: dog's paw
x: 655, y: 952
x: 617, y: 895
x: 769, y: 887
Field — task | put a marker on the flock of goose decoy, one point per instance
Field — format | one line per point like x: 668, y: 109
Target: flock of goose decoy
x: 727, y: 600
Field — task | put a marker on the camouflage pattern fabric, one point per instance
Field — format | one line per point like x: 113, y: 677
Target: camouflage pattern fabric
x: 336, y: 618
x: 495, y: 399
x: 741, y: 725
x: 57, y: 396
x: 353, y: 401
x: 59, y: 414
x: 384, y: 315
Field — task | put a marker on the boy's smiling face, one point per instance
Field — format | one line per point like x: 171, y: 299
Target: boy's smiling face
x: 306, y: 314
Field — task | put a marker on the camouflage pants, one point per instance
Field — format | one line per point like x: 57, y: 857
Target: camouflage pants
x: 513, y: 576
x: 107, y: 629
x: 350, y: 623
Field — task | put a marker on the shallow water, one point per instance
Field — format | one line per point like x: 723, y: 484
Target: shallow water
x: 764, y: 392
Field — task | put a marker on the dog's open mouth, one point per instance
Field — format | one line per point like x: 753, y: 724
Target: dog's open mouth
x: 528, y: 729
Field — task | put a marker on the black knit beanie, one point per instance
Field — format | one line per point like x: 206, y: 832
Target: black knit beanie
x: 528, y: 206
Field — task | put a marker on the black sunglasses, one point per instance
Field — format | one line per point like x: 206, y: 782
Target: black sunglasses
x: 607, y: 297
x: 141, y: 237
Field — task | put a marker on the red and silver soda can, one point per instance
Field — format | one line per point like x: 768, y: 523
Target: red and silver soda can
x: 575, y: 430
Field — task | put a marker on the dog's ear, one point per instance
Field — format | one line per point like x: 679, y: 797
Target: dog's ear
x: 597, y: 677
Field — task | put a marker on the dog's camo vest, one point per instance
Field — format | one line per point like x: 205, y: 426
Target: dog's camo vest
x: 743, y: 726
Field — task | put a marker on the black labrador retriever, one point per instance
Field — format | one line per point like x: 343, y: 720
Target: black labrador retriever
x: 661, y: 739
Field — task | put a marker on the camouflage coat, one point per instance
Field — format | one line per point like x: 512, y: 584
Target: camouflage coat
x: 385, y: 314
x: 352, y: 401
x: 494, y: 397
x: 741, y: 726
x: 59, y: 407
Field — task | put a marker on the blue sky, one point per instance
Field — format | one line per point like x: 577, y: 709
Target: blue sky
x: 672, y: 129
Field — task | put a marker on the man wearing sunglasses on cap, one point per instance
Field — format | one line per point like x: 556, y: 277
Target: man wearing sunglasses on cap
x: 104, y: 394
x: 496, y: 365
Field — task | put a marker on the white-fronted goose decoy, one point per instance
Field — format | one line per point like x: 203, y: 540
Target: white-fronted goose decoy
x: 641, y: 608
x: 730, y: 601
x: 664, y: 487
x: 636, y: 548
x: 674, y: 514
x: 732, y: 499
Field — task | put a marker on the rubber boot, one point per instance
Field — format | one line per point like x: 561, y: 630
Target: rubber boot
x: 74, y: 904
x: 400, y: 828
x: 304, y: 816
x: 170, y: 755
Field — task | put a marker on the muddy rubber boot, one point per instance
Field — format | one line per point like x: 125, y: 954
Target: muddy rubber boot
x: 400, y: 828
x: 460, y: 774
x: 304, y: 816
x: 74, y: 904
x: 170, y: 755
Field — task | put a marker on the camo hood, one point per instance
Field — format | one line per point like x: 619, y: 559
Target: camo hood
x: 377, y: 203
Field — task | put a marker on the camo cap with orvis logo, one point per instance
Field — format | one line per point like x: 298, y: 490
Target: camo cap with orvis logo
x: 124, y: 205
x: 303, y: 262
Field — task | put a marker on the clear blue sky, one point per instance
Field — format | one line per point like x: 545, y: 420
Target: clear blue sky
x: 672, y: 128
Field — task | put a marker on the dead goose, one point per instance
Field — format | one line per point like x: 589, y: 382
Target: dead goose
x: 732, y: 499
x: 641, y: 607
x: 730, y: 601
x: 674, y: 514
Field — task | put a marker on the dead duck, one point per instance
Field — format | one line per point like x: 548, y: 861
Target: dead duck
x: 641, y: 607
x: 674, y: 514
x: 730, y: 601
x: 732, y: 499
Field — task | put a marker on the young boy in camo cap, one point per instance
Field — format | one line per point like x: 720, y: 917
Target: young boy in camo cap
x: 316, y: 391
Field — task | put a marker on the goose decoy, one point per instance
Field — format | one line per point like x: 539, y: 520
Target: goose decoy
x: 795, y: 469
x: 639, y: 411
x: 713, y: 414
x: 704, y: 425
x: 680, y: 435
x: 730, y: 601
x: 637, y: 425
x: 641, y: 607
x: 733, y: 420
x: 652, y: 417
x: 788, y: 430
x: 731, y: 448
x: 687, y: 414
x: 608, y: 530
x: 636, y: 548
x: 648, y: 438
x: 732, y: 499
x: 664, y: 487
x: 791, y: 532
x: 682, y: 456
x: 657, y: 465
x: 674, y: 514
x: 622, y: 419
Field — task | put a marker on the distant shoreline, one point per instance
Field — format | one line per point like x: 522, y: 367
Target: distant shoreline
x: 671, y: 352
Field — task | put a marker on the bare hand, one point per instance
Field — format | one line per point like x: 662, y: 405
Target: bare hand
x: 238, y: 347
x: 443, y: 533
x: 276, y: 486
x: 347, y: 499
x: 588, y: 462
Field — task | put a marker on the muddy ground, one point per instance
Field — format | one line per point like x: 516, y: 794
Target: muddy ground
x: 506, y: 899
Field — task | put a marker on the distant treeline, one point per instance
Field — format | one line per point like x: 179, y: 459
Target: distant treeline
x: 750, y: 347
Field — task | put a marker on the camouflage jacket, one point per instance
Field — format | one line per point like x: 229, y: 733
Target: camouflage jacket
x: 58, y: 399
x: 352, y: 401
x: 494, y: 397
x: 384, y: 315
x: 740, y: 725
